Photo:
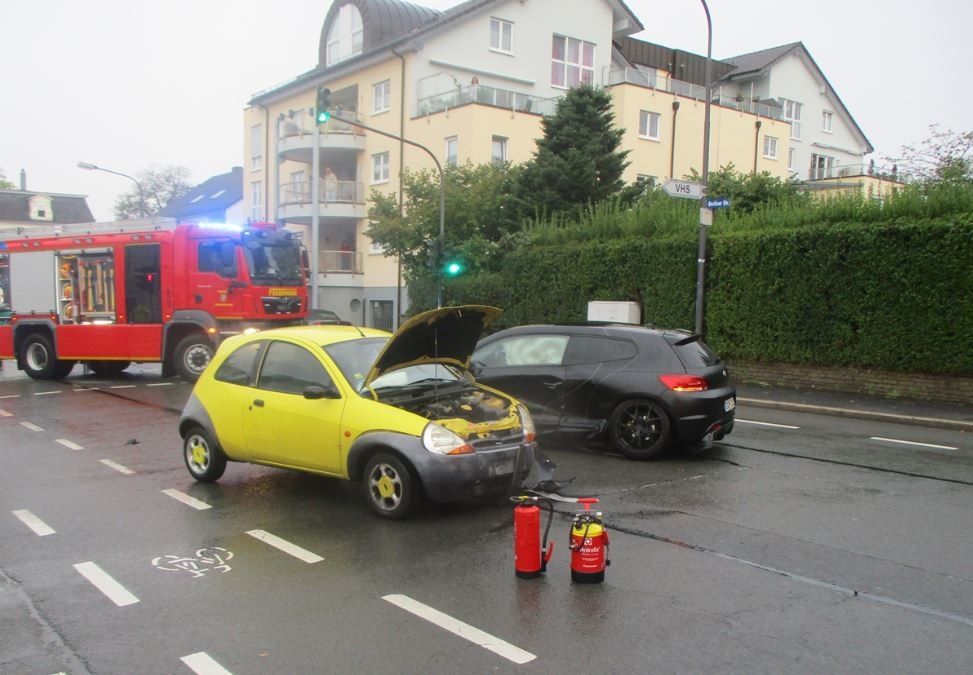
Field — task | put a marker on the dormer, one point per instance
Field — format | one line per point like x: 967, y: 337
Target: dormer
x: 39, y: 208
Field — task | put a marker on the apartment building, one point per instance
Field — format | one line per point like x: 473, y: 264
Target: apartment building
x: 471, y: 84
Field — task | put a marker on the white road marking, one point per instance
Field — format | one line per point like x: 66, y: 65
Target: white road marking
x: 767, y: 424
x: 160, y: 384
x: 31, y: 426
x: 463, y: 630
x: 46, y: 393
x: 87, y: 388
x: 11, y: 396
x: 4, y: 413
x: 186, y: 499
x: 922, y: 445
x: 122, y: 386
x: 104, y: 583
x: 116, y: 466
x: 285, y: 546
x: 71, y: 445
x: 40, y: 528
x: 202, y: 663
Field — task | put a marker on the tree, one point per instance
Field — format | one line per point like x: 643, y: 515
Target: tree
x: 946, y: 157
x: 156, y: 188
x: 4, y: 183
x: 748, y: 191
x: 577, y: 162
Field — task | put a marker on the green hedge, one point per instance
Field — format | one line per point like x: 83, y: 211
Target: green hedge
x: 896, y: 296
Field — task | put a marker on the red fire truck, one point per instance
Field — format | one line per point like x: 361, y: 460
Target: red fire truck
x: 110, y: 295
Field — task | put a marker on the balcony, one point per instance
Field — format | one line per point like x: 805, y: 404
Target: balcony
x: 295, y: 140
x: 340, y: 262
x: 336, y: 199
x: 858, y: 170
x: 437, y: 94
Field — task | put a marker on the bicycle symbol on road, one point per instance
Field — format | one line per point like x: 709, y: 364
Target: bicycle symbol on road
x: 206, y: 560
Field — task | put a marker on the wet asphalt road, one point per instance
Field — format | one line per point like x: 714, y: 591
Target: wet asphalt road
x: 802, y: 543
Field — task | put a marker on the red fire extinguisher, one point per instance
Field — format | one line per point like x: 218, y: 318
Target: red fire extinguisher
x: 530, y: 559
x: 588, y: 544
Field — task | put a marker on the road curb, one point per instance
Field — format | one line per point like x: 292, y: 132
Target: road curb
x: 936, y: 422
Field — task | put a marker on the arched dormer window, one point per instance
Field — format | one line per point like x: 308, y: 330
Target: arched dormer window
x: 40, y: 208
x: 345, y: 36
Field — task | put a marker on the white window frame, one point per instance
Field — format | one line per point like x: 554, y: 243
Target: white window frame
x: 562, y: 69
x: 452, y: 151
x: 256, y: 200
x: 345, y: 35
x: 257, y: 147
x: 503, y: 31
x: 380, y: 168
x: 648, y: 119
x: 827, y: 121
x: 501, y: 143
x: 793, y: 112
x: 381, y: 97
x: 298, y: 179
x: 790, y: 159
x: 770, y: 147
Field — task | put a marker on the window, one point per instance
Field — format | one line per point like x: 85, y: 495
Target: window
x: 239, y: 366
x: 770, y: 147
x: 451, y: 148
x: 382, y: 314
x: 218, y: 257
x: 524, y: 350
x: 587, y: 349
x: 501, y: 35
x: 790, y: 159
x: 380, y: 167
x: 827, y: 121
x: 499, y: 152
x: 298, y: 190
x: 381, y: 94
x: 257, y: 200
x: 822, y: 166
x: 792, y: 114
x: 345, y: 35
x: 572, y: 62
x: 257, y: 147
x: 289, y: 368
x: 649, y: 123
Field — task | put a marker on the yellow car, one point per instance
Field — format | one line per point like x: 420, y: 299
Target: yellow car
x: 399, y: 413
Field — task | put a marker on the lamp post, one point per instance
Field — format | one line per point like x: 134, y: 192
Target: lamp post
x: 705, y: 214
x: 87, y: 166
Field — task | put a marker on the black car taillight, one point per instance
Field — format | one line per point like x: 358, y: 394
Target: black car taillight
x: 683, y: 382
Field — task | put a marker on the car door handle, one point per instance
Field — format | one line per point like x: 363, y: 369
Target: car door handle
x: 258, y: 402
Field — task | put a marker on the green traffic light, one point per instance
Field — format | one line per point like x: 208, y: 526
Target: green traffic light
x: 323, y: 116
x: 453, y: 269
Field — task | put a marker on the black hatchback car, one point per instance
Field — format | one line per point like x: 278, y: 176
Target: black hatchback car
x: 643, y: 389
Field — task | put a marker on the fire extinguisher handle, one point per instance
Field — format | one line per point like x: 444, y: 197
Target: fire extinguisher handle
x: 550, y: 552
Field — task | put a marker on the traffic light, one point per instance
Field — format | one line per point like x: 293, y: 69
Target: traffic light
x: 453, y: 265
x: 322, y: 112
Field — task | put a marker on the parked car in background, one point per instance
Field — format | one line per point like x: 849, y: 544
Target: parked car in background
x: 642, y: 389
x: 399, y: 413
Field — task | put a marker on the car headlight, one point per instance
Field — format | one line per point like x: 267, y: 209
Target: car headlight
x: 527, y: 422
x: 441, y: 441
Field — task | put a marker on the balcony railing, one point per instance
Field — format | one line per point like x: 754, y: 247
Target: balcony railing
x: 340, y: 262
x: 856, y: 170
x: 689, y: 90
x: 493, y: 96
x: 329, y: 192
x: 301, y: 124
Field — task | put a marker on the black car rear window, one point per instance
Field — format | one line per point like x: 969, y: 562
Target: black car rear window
x: 694, y: 353
x: 587, y: 349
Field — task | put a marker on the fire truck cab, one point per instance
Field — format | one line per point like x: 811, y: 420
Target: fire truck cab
x: 109, y: 296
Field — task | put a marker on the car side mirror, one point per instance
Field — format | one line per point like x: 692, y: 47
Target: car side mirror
x: 316, y: 391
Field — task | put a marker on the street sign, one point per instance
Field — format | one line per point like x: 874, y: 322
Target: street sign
x: 683, y: 188
x: 717, y: 203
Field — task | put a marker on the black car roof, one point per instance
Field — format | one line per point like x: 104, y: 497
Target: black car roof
x: 597, y: 328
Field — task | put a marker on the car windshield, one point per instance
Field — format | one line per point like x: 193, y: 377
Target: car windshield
x: 354, y: 359
x: 274, y: 262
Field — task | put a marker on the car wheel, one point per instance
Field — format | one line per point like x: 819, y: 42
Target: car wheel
x: 390, y: 486
x: 204, y: 457
x: 108, y: 368
x: 191, y: 357
x: 639, y: 429
x: 39, y: 360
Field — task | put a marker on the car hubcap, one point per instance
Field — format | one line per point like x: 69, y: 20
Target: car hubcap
x: 198, y: 454
x: 37, y: 357
x: 197, y: 358
x: 385, y: 486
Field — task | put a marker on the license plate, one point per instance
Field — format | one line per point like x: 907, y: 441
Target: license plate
x: 502, y: 468
x: 729, y: 404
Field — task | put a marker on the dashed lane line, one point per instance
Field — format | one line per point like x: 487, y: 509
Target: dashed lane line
x: 160, y: 384
x: 197, y: 504
x: 10, y: 396
x: 70, y: 445
x: 31, y: 426
x: 122, y: 386
x: 106, y: 584
x: 921, y: 445
x: 285, y: 546
x: 40, y: 528
x: 116, y: 466
x: 202, y: 663
x: 463, y: 630
x: 4, y: 413
x: 767, y: 424
x: 47, y: 393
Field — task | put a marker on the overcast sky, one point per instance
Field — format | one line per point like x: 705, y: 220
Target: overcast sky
x: 131, y: 84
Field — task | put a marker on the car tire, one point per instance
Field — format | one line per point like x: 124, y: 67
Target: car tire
x: 390, y: 486
x: 39, y: 360
x: 203, y: 456
x: 108, y: 368
x: 192, y: 355
x: 639, y: 429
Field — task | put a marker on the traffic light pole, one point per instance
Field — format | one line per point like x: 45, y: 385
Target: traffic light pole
x: 442, y: 192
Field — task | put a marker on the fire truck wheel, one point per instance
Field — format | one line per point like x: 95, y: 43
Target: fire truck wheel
x: 204, y: 457
x: 40, y: 361
x: 108, y: 368
x: 390, y: 486
x: 193, y: 354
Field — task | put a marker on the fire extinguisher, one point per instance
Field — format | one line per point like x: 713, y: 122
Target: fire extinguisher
x: 530, y: 559
x: 588, y: 544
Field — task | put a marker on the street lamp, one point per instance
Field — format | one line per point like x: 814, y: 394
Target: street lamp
x: 705, y: 213
x: 87, y: 166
